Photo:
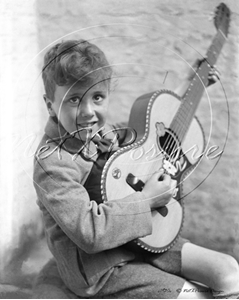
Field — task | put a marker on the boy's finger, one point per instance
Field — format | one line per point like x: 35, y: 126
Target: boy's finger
x: 158, y: 175
x: 166, y: 179
x: 214, y: 70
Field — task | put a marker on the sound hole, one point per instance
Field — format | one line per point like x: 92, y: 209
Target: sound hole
x: 169, y: 145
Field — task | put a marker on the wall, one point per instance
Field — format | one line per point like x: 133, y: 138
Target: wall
x: 152, y: 45
x: 20, y: 221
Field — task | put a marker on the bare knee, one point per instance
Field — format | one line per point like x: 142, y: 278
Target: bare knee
x: 232, y: 271
x: 226, y: 276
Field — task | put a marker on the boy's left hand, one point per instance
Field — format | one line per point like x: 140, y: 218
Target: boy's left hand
x: 213, y: 75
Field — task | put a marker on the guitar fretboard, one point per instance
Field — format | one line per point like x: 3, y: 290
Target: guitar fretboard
x: 191, y: 99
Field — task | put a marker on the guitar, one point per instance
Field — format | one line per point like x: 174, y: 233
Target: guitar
x: 169, y: 137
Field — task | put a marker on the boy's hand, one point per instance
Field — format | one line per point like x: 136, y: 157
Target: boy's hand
x: 158, y: 189
x: 213, y: 75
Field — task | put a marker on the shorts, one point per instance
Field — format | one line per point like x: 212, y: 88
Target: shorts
x: 154, y: 276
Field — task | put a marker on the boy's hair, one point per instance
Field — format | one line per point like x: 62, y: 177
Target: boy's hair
x: 73, y: 61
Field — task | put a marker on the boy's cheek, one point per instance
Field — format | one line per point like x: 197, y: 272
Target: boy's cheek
x: 105, y: 111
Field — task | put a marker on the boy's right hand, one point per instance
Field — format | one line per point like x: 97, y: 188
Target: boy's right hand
x: 158, y: 189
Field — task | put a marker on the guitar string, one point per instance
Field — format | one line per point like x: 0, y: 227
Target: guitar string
x: 173, y: 146
x: 186, y: 113
x: 190, y: 108
x: 169, y: 143
x: 204, y: 73
x: 184, y: 118
x: 181, y: 116
x: 187, y: 110
x: 172, y: 142
x: 211, y: 57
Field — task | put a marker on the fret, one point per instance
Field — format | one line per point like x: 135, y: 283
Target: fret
x: 185, y: 109
x: 190, y: 101
x: 215, y: 48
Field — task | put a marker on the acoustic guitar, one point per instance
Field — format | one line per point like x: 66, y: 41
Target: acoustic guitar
x: 169, y: 137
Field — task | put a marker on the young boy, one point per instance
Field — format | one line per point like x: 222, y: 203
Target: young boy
x: 87, y: 237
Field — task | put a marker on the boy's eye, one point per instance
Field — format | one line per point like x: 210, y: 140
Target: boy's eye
x: 98, y: 98
x: 75, y: 100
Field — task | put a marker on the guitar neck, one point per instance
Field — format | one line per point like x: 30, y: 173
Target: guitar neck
x: 193, y: 95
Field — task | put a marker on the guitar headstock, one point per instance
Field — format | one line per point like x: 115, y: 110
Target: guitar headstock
x: 222, y: 18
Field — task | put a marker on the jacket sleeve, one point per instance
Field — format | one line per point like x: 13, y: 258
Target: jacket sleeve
x: 92, y: 227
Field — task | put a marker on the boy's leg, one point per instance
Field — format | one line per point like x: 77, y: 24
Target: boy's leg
x: 49, y: 285
x: 217, y: 270
x: 139, y: 280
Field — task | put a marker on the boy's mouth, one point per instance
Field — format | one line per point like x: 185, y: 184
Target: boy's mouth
x: 86, y: 124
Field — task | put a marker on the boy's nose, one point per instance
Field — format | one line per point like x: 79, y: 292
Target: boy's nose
x: 85, y: 110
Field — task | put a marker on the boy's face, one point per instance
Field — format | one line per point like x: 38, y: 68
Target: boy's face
x: 81, y: 107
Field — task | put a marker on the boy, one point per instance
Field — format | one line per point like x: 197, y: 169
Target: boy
x: 87, y: 237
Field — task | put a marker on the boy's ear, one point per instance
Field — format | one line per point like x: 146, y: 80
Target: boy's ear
x: 49, y: 105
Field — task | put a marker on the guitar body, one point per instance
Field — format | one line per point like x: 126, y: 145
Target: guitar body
x: 150, y: 117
